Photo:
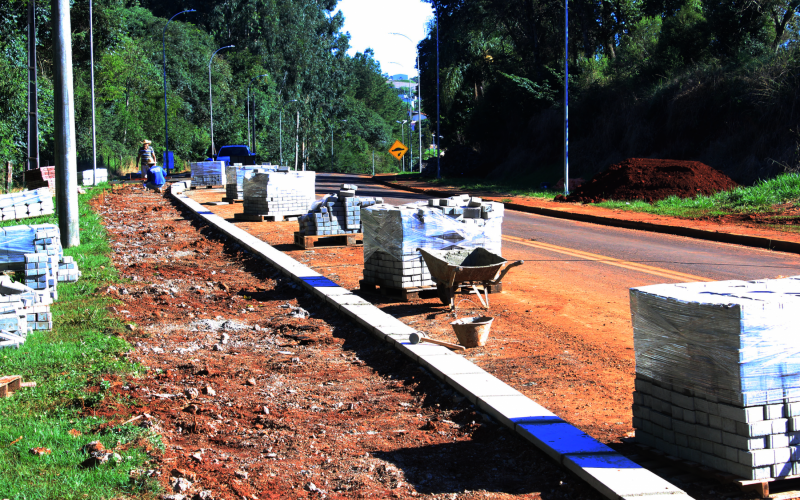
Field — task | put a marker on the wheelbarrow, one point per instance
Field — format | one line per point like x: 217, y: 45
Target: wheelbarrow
x: 451, y: 269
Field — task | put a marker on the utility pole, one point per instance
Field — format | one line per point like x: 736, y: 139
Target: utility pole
x: 33, y: 100
x: 297, y: 140
x: 438, y: 115
x: 566, y: 97
x: 64, y: 104
x: 91, y: 66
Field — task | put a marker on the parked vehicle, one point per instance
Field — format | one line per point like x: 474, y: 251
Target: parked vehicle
x: 235, y: 154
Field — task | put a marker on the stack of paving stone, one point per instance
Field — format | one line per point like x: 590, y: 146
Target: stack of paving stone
x: 26, y: 204
x: 22, y: 310
x: 208, y: 173
x: 35, y: 253
x: 718, y: 374
x: 278, y: 193
x: 235, y: 174
x: 87, y: 177
x: 336, y: 213
x: 392, y: 235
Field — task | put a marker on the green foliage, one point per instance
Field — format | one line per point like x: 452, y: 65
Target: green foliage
x: 502, y: 84
x: 80, y: 352
x: 296, y: 43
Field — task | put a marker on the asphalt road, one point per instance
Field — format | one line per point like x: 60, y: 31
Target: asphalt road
x: 593, y: 250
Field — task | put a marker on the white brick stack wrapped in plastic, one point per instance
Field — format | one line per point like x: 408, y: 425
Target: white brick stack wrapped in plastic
x: 26, y: 204
x: 392, y: 235
x: 234, y: 175
x: 208, y: 173
x: 278, y: 193
x: 336, y: 213
x: 87, y: 176
x: 718, y: 374
x: 34, y: 248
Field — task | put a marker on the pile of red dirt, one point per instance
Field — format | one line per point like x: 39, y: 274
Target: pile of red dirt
x: 651, y: 180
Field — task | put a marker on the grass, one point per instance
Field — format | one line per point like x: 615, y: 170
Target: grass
x: 77, y: 354
x: 524, y: 186
x: 764, y: 196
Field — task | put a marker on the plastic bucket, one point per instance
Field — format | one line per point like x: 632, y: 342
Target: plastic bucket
x: 472, y: 332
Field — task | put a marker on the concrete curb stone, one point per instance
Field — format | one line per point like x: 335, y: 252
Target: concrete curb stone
x: 610, y: 473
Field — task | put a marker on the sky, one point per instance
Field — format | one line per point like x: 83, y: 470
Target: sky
x: 369, y: 23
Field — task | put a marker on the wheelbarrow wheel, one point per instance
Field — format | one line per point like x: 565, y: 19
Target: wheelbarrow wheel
x: 444, y: 293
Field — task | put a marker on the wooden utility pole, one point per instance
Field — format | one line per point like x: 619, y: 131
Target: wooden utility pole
x: 64, y: 103
x: 9, y: 168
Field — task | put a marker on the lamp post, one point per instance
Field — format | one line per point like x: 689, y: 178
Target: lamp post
x: 402, y: 138
x: 438, y: 115
x: 566, y: 97
x: 410, y: 148
x: 211, y: 100
x: 419, y: 108
x: 164, y: 59
x: 280, y: 129
x: 254, y: 115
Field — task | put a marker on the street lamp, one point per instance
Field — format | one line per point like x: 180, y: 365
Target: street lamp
x: 419, y: 106
x: 254, y: 115
x: 164, y: 58
x: 402, y: 138
x: 280, y: 130
x: 438, y: 114
x: 411, y: 149
x: 211, y: 100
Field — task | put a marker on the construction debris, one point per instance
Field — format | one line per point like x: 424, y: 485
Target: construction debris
x: 336, y: 213
x: 392, y: 235
x: 718, y: 374
x: 26, y: 204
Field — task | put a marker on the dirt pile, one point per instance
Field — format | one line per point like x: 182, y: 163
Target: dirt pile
x: 651, y: 180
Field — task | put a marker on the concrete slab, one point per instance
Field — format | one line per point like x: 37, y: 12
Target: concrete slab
x: 513, y: 410
x: 338, y: 301
x: 558, y: 438
x: 479, y: 385
x: 401, y: 329
x: 452, y: 364
x: 619, y: 478
x: 415, y: 351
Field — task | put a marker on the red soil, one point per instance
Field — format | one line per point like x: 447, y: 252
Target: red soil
x: 650, y: 180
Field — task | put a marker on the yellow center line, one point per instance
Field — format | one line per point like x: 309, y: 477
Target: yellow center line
x: 633, y: 266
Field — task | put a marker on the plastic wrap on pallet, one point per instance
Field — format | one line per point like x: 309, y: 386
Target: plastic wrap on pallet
x: 734, y: 340
x: 234, y: 177
x: 208, y: 173
x: 278, y: 192
x: 399, y: 231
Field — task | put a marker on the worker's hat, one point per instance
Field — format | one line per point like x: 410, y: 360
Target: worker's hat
x: 147, y: 141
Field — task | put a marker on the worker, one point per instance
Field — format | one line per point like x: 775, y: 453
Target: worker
x: 155, y: 178
x: 146, y: 156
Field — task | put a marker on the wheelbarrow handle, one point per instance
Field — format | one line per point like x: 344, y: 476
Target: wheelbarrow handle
x: 507, y: 268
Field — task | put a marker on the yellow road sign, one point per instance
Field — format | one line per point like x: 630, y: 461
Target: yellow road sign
x: 398, y: 149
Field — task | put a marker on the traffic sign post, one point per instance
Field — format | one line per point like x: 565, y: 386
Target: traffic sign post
x: 398, y: 149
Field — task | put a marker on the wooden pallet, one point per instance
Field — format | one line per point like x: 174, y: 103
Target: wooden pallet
x: 268, y: 218
x: 404, y: 294
x: 9, y: 385
x: 782, y: 488
x: 330, y: 240
x: 206, y: 187
x: 233, y: 200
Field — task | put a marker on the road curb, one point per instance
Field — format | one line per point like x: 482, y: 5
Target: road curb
x: 609, y: 472
x: 700, y: 234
